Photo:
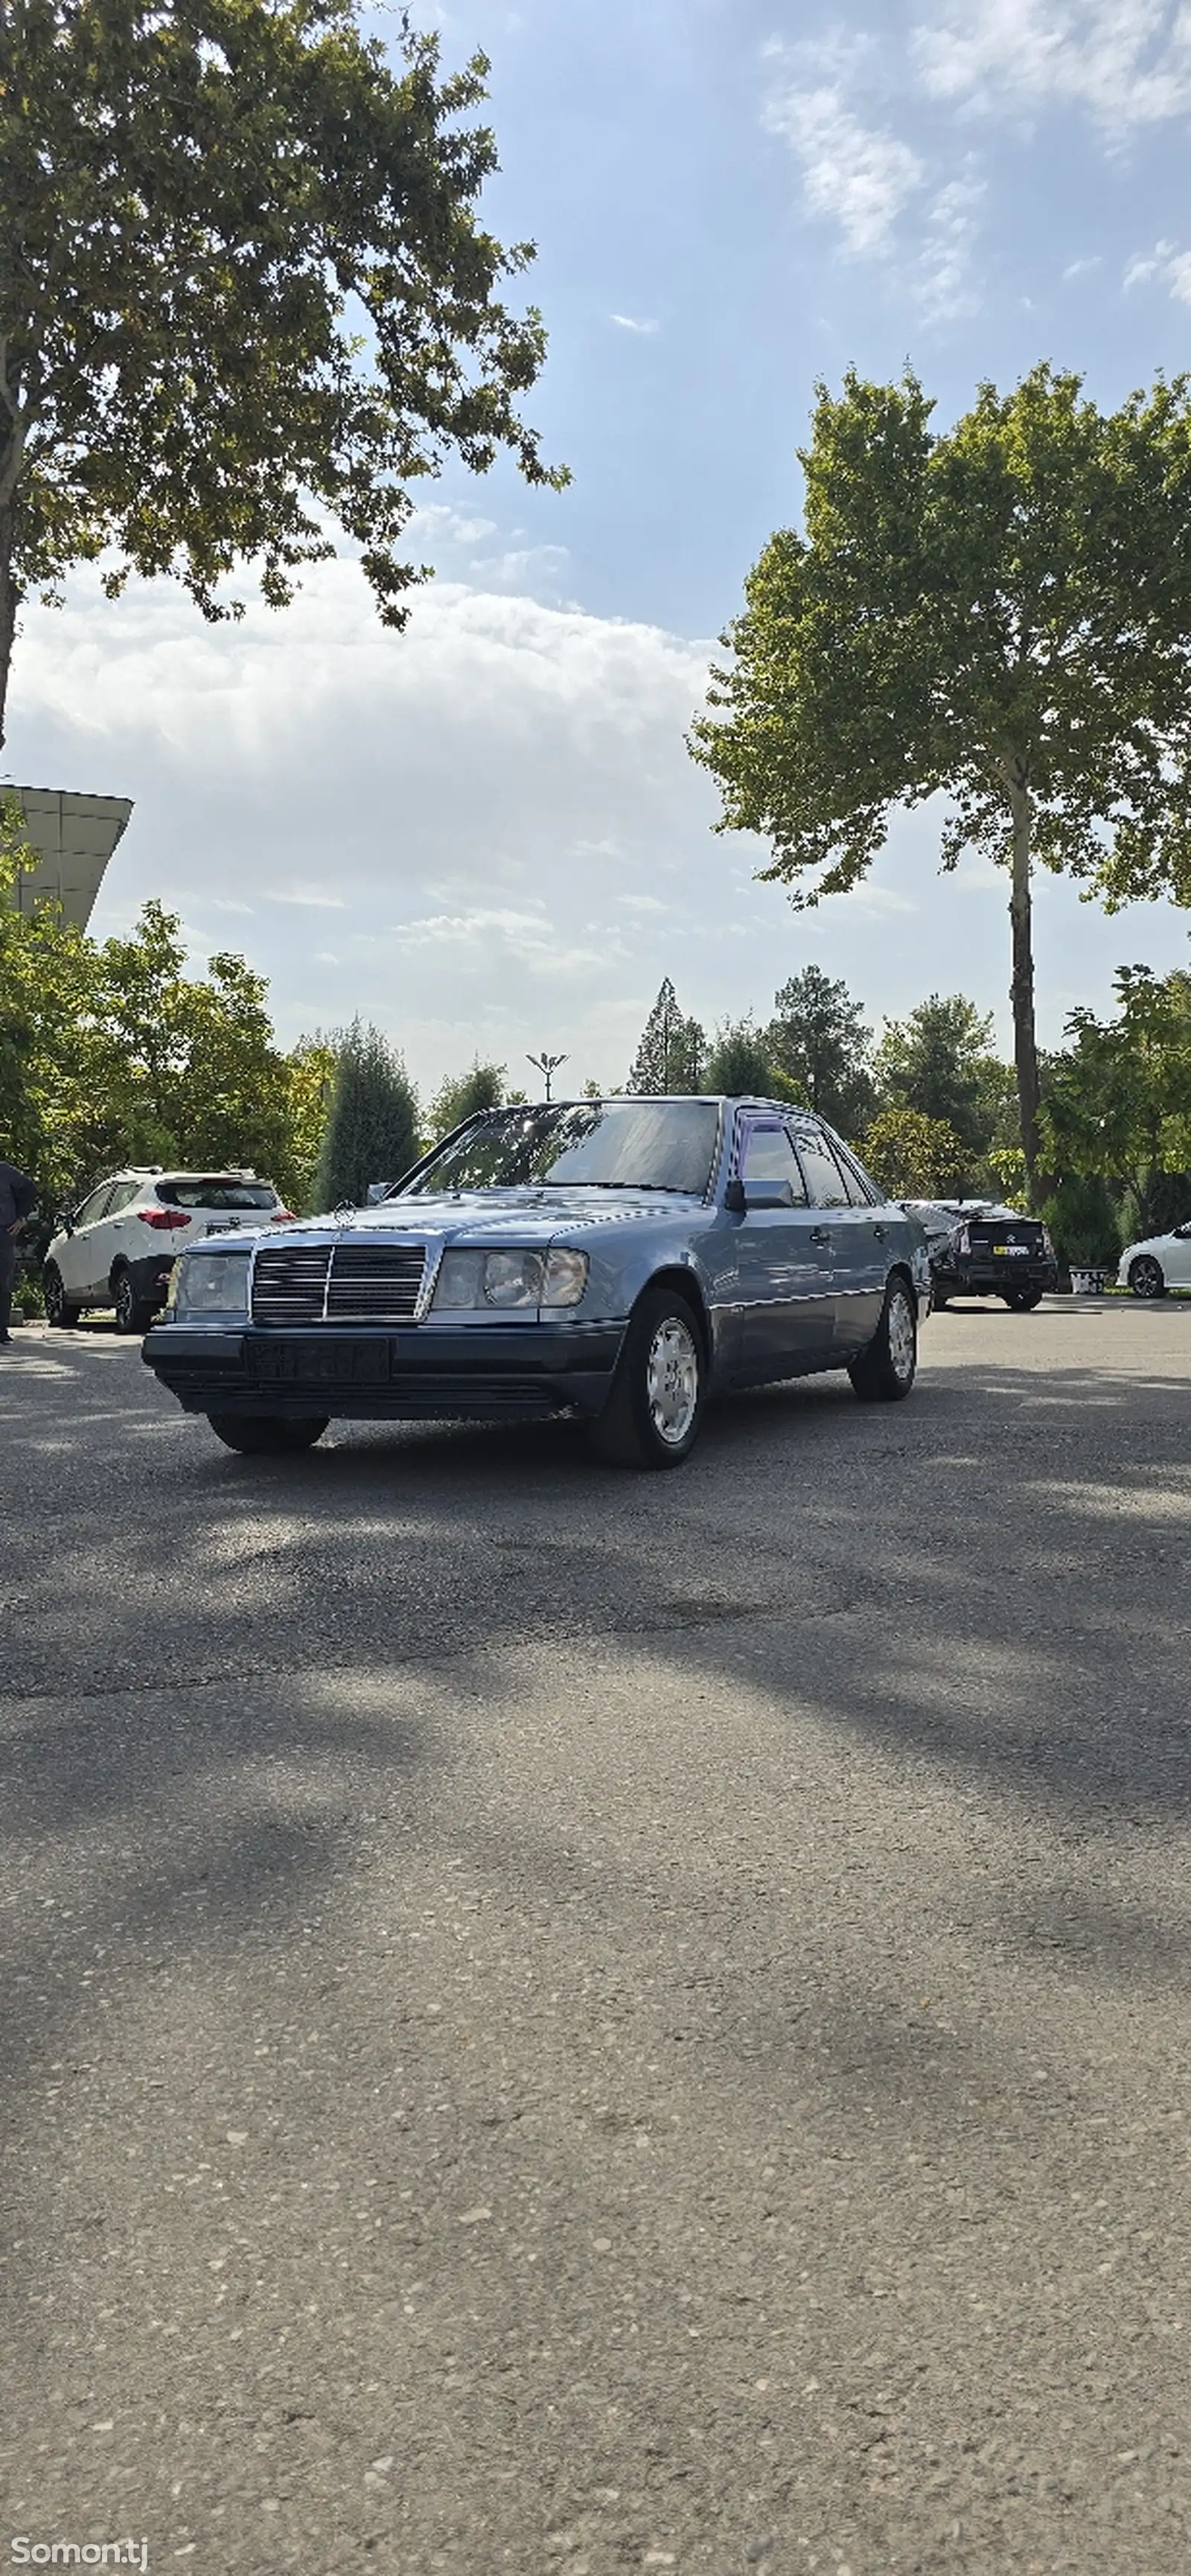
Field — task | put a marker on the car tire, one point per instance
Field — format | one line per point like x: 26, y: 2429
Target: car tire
x: 133, y: 1315
x: 1147, y: 1277
x: 59, y: 1308
x: 1022, y: 1301
x: 267, y: 1435
x: 885, y: 1372
x: 652, y: 1416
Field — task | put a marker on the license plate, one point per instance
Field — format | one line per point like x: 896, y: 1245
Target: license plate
x: 331, y: 1363
x: 1011, y: 1251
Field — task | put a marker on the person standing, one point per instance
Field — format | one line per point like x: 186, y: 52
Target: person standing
x: 18, y: 1198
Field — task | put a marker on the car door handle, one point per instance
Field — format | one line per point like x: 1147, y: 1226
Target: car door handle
x: 820, y: 1234
x: 879, y: 1231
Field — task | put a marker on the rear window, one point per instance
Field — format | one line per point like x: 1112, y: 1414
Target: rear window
x: 1005, y: 1229
x: 217, y: 1193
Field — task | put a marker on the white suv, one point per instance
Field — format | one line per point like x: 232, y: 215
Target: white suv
x: 119, y: 1247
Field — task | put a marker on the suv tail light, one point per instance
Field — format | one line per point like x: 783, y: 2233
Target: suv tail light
x: 963, y: 1240
x: 163, y: 1220
x: 283, y: 1216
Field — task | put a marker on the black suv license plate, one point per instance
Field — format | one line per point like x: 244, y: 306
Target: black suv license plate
x: 330, y: 1363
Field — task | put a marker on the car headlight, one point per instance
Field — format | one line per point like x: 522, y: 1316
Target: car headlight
x: 510, y: 1280
x: 210, y: 1283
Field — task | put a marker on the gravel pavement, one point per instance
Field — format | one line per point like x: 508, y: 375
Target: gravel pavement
x: 562, y: 2021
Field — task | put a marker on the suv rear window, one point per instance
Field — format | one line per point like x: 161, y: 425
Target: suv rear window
x: 223, y: 1193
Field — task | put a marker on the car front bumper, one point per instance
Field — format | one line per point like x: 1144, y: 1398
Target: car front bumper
x: 374, y: 1374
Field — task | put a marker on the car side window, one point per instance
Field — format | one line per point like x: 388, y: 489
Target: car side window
x: 122, y: 1197
x: 824, y: 1179
x: 96, y: 1206
x: 769, y: 1156
x: 861, y: 1191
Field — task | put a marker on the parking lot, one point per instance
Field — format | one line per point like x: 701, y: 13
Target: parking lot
x: 562, y: 2020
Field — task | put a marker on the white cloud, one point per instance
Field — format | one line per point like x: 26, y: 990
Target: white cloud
x: 854, y: 174
x: 1081, y: 268
x: 312, y: 898
x: 456, y: 806
x: 1166, y: 262
x: 628, y: 322
x: 1127, y: 62
x: 944, y: 283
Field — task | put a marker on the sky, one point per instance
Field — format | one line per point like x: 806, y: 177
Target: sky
x: 486, y: 834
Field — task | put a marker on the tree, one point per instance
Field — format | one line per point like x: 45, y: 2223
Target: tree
x: 940, y: 1061
x: 112, y: 1054
x: 739, y: 1062
x: 244, y: 295
x: 187, y: 1066
x: 819, y: 1040
x: 915, y: 1157
x: 459, y: 1098
x: 310, y: 1082
x: 1118, y: 1102
x: 1001, y: 613
x: 670, y: 1055
x: 51, y: 1092
x: 372, y: 1129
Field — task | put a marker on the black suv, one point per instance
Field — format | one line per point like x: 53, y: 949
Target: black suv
x: 981, y: 1251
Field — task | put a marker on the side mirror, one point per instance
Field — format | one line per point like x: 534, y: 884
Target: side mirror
x: 741, y: 1197
x: 64, y: 1222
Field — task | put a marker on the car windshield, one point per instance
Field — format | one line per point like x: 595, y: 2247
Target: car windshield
x: 579, y: 1144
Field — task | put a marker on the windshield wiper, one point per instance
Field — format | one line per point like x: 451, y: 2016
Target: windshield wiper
x: 669, y: 1189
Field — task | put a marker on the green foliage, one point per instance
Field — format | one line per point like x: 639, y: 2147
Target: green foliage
x: 112, y: 1054
x: 483, y: 1087
x: 915, y: 1157
x: 1000, y: 613
x: 1083, y: 1220
x: 192, y: 1074
x: 372, y: 1129
x: 310, y: 1081
x: 244, y: 293
x: 670, y: 1055
x: 739, y: 1062
x: 818, y: 1040
x: 1118, y: 1102
x: 939, y: 1061
x: 50, y: 1047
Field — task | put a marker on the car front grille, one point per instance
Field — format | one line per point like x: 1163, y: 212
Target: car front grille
x: 340, y: 1283
x: 375, y: 1279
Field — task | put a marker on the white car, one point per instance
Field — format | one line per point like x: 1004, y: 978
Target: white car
x: 1163, y: 1261
x: 119, y: 1247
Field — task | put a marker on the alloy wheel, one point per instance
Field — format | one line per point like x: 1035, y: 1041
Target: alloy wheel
x: 901, y: 1336
x: 672, y: 1381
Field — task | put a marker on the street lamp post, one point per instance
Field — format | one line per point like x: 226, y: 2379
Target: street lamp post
x: 547, y: 1066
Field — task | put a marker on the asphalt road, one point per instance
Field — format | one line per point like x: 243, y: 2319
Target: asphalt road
x: 563, y: 2021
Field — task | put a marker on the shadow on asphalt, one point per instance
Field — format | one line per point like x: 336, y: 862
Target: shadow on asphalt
x: 991, y: 1579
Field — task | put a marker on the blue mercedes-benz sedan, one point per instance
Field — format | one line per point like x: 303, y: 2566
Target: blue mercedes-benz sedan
x: 614, y: 1261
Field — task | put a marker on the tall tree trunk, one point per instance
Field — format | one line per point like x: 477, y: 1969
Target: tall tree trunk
x: 8, y: 601
x: 1021, y: 990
